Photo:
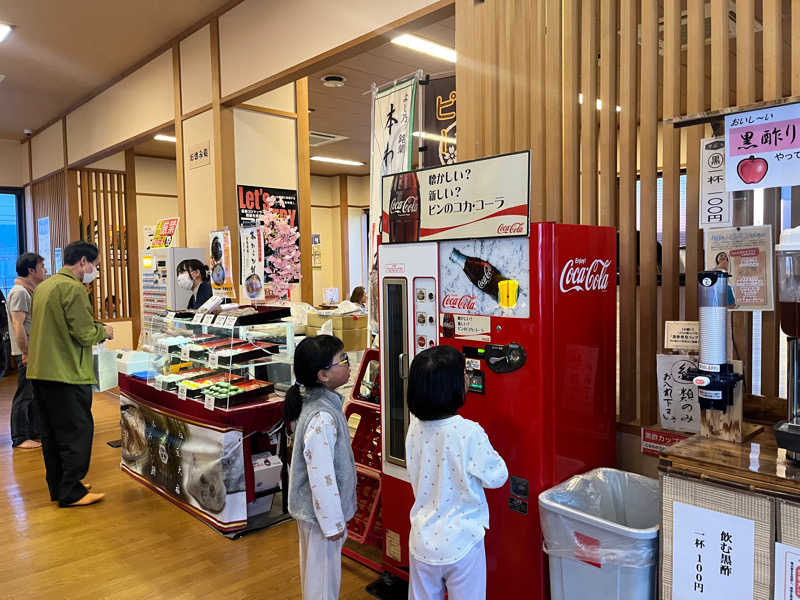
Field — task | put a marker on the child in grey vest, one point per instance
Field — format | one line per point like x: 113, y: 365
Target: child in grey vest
x: 322, y: 475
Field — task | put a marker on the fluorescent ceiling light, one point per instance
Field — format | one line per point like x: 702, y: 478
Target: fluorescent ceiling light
x: 4, y: 31
x: 425, y: 46
x: 434, y: 137
x: 165, y: 138
x: 337, y: 161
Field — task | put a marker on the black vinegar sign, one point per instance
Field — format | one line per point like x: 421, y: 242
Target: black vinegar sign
x: 483, y: 198
x: 255, y: 200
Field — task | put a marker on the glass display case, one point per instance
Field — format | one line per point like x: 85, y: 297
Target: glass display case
x: 224, y: 360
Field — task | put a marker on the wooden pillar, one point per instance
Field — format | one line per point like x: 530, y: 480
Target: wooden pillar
x: 344, y: 228
x: 304, y: 190
x: 132, y: 243
x: 179, y: 151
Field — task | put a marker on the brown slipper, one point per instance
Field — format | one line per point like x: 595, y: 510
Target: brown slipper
x: 88, y: 499
x: 30, y: 445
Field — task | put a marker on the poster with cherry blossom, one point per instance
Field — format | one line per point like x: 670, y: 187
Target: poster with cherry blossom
x: 762, y: 148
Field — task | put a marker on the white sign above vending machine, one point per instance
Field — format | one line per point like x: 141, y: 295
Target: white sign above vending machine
x: 715, y: 202
x: 484, y: 198
x: 763, y: 148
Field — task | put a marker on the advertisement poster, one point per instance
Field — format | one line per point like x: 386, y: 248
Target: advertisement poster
x: 745, y: 253
x: 199, y: 467
x: 713, y: 554
x: 164, y: 234
x: 252, y: 248
x: 58, y: 259
x: 787, y: 572
x: 43, y: 242
x: 255, y: 201
x: 221, y: 265
x: 393, y: 115
x: 440, y: 122
x: 485, y: 277
x: 316, y: 251
x: 715, y: 202
x: 678, y: 404
x: 484, y: 198
x: 763, y: 148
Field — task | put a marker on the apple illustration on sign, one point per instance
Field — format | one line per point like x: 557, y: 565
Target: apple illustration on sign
x: 752, y: 169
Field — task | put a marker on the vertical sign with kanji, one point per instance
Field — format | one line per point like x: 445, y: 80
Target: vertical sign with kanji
x: 678, y: 406
x: 715, y: 202
x: 251, y: 243
x: 762, y: 148
x: 713, y: 554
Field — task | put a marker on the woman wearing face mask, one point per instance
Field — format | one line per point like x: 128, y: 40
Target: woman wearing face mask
x: 193, y: 275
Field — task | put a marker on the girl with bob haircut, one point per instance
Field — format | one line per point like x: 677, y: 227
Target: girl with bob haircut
x: 450, y: 460
x: 322, y: 474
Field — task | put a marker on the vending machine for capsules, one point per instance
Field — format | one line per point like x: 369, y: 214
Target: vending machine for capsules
x: 533, y: 308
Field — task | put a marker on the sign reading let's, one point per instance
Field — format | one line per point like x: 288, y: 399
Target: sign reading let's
x: 762, y: 148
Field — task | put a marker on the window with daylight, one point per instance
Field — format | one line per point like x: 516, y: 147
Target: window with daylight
x: 11, y: 245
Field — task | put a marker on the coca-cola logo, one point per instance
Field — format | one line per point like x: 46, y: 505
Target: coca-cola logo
x: 403, y: 206
x: 580, y: 275
x: 486, y: 278
x: 454, y: 301
x: 506, y: 229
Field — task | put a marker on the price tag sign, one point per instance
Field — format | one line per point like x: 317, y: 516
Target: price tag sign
x: 208, y: 319
x: 198, y: 318
x: 185, y: 354
x: 221, y: 320
x: 182, y: 389
x: 170, y: 315
x: 208, y: 402
x: 213, y: 360
x: 232, y: 321
x: 162, y: 347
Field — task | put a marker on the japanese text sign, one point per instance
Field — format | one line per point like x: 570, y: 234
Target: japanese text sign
x: 713, y: 554
x: 715, y: 202
x: 763, y: 148
x: 251, y: 246
x: 678, y: 406
x: 164, y: 235
x: 682, y: 335
x: 787, y: 572
x: 199, y: 154
x: 485, y: 198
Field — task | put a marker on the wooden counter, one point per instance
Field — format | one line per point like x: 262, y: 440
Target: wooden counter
x: 757, y: 466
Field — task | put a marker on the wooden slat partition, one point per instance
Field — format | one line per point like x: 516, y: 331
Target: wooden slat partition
x: 538, y: 111
x: 588, y: 204
x: 554, y: 117
x: 648, y: 301
x: 628, y: 98
x: 607, y: 189
x: 571, y: 62
x: 50, y: 200
x: 671, y: 221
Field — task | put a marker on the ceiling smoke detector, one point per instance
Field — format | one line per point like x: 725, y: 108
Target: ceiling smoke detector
x: 333, y: 81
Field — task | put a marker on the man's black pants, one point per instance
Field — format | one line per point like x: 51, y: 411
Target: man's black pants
x: 67, y: 428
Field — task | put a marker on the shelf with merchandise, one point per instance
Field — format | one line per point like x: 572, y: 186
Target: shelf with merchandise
x: 220, y: 362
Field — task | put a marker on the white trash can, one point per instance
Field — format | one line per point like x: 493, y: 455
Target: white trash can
x: 601, y: 535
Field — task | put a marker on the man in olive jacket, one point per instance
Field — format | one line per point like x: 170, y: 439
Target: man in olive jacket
x: 60, y: 365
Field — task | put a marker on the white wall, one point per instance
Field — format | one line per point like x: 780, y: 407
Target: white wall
x: 200, y: 183
x: 325, y: 222
x: 156, y: 192
x: 47, y: 150
x: 266, y: 149
x: 196, y: 69
x: 115, y: 162
x: 13, y: 164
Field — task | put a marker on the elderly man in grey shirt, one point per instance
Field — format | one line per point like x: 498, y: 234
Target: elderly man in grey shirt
x: 24, y: 420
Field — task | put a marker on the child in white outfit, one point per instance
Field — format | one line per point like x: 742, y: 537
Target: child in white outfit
x: 322, y: 476
x: 450, y: 460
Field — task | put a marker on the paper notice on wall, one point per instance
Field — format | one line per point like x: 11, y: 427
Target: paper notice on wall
x: 715, y: 201
x: 682, y: 335
x: 713, y: 554
x: 678, y: 404
x: 58, y: 259
x: 221, y: 264
x: 251, y: 242
x: 43, y: 239
x: 746, y: 253
x: 787, y: 572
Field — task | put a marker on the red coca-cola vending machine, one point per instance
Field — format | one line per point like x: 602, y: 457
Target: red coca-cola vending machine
x: 533, y: 308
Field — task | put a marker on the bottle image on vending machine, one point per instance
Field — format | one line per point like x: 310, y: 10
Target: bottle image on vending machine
x: 404, y: 208
x: 480, y: 272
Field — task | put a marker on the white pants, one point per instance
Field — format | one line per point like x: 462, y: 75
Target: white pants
x: 463, y: 580
x: 320, y: 563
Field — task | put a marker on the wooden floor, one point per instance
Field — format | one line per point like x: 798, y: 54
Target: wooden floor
x: 134, y: 544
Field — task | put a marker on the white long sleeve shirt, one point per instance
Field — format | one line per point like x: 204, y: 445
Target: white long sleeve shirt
x: 449, y: 462
x: 318, y: 443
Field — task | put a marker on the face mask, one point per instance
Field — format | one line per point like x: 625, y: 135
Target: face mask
x: 185, y: 281
x: 89, y: 277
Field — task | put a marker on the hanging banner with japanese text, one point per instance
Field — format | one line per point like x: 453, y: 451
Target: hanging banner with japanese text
x: 439, y: 137
x: 483, y: 198
x: 221, y: 264
x: 715, y: 202
x: 251, y: 242
x: 164, y: 234
x: 763, y: 148
x: 198, y: 466
x: 713, y: 554
x: 393, y: 112
x: 746, y: 253
x: 678, y: 405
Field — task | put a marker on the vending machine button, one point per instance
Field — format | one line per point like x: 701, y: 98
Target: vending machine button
x: 420, y: 295
x: 421, y: 341
x: 430, y: 296
x: 421, y: 318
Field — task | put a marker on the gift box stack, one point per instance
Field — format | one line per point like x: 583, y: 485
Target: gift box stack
x: 350, y: 328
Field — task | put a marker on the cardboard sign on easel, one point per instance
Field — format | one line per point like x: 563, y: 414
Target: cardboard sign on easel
x: 729, y: 425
